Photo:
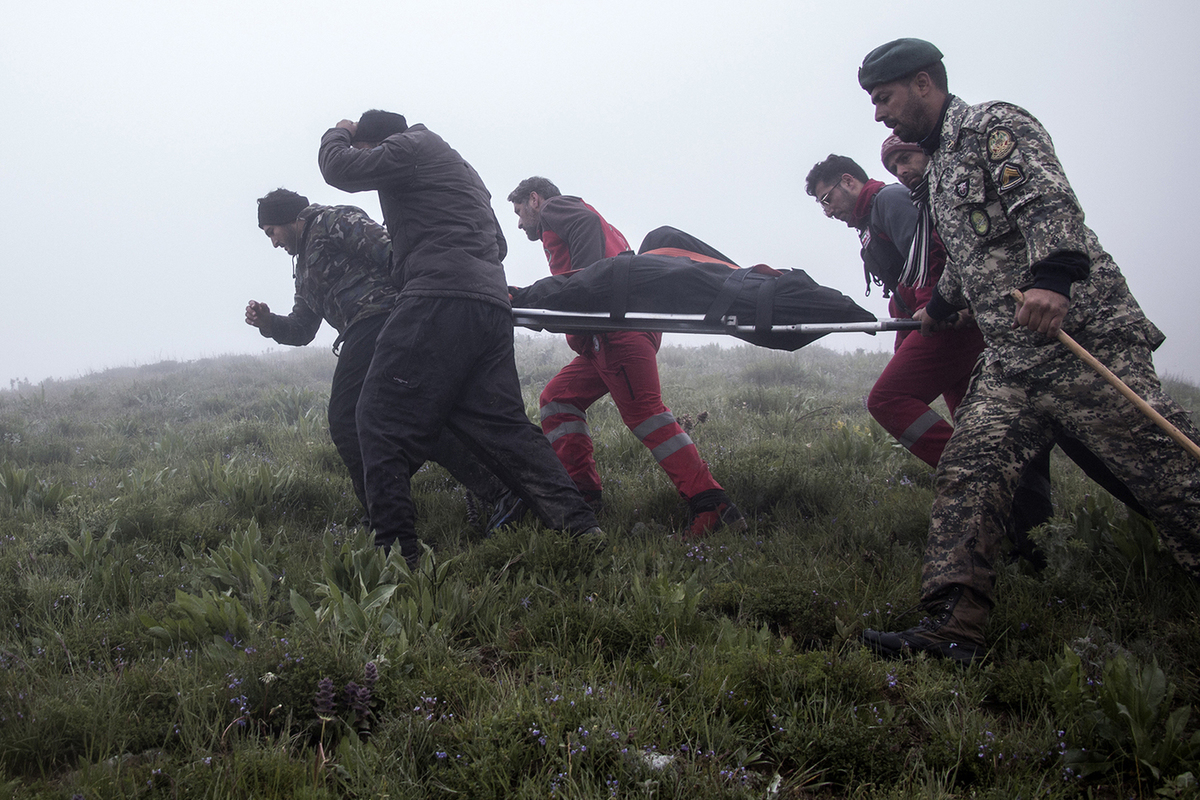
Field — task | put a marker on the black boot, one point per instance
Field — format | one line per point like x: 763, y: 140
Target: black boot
x: 953, y: 629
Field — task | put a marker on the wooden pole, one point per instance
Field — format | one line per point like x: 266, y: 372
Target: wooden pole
x: 1133, y: 397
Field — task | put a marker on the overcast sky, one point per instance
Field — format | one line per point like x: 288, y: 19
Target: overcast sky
x: 139, y: 134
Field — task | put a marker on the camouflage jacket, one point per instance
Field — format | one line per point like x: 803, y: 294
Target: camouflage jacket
x: 1001, y: 203
x: 342, y: 274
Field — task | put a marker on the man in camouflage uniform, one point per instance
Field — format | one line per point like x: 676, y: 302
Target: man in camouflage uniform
x: 1009, y: 220
x: 342, y: 276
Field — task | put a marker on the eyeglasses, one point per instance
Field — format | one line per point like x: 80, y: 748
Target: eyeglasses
x: 824, y: 199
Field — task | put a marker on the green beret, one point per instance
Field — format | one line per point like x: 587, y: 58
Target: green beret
x: 894, y: 60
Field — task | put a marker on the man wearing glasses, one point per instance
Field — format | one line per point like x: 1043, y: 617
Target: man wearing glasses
x: 921, y: 368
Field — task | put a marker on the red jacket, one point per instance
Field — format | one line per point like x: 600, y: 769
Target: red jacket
x: 574, y: 236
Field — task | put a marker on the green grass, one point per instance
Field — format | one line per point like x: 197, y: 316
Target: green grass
x: 188, y: 610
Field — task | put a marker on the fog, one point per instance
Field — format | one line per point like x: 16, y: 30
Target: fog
x: 139, y: 135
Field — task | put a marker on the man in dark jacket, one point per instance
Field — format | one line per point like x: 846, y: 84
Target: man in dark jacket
x: 623, y: 364
x: 444, y: 357
x: 343, y: 277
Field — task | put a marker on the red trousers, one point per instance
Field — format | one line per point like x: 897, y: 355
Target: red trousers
x: 922, y: 368
x: 625, y: 365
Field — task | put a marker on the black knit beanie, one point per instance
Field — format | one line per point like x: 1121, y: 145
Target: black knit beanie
x: 280, y: 207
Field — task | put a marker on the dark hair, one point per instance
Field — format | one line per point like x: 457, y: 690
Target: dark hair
x: 831, y: 170
x: 375, y: 126
x: 937, y: 74
x: 280, y: 207
x: 542, y: 186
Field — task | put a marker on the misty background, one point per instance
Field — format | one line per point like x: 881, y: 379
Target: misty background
x: 138, y: 135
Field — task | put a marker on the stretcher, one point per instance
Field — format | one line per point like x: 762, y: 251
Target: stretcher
x: 589, y: 322
x: 694, y: 290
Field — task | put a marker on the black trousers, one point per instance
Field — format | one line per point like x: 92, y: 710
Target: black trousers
x: 354, y: 359
x: 447, y: 363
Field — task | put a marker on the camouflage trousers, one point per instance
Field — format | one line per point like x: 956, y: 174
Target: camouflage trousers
x: 1005, y: 420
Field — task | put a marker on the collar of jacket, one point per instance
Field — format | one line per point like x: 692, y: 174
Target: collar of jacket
x: 933, y: 141
x: 308, y: 214
x: 862, y: 206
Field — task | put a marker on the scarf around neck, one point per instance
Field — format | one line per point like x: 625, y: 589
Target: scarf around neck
x: 862, y: 206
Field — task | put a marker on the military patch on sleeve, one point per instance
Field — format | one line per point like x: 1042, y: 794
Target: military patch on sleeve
x: 962, y: 187
x: 1000, y: 144
x: 1011, y: 176
x: 980, y: 222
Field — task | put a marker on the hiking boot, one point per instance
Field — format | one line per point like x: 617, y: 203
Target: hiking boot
x: 953, y: 629
x: 712, y: 511
x: 510, y: 510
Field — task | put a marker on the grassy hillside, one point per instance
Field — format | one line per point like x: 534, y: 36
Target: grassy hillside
x: 189, y: 610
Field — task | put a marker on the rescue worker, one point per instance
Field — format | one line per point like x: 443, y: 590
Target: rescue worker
x: 1002, y: 205
x: 444, y: 356
x: 924, y: 367
x: 623, y: 364
x: 341, y: 271
x: 921, y: 369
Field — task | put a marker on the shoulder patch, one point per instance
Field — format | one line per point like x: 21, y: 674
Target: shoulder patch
x: 1011, y: 176
x: 1000, y: 143
x: 980, y: 222
x: 963, y: 187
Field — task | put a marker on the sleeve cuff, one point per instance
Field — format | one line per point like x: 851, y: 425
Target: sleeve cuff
x: 1059, y: 270
x: 937, y: 308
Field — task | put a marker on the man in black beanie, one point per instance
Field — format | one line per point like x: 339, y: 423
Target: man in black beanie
x: 1000, y: 201
x: 444, y: 358
x: 342, y: 276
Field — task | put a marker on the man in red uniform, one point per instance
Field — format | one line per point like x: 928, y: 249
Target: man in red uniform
x: 623, y: 364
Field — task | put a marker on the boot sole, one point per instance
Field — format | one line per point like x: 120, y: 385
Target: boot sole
x: 895, y: 646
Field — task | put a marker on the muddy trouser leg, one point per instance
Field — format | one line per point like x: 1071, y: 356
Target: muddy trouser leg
x: 354, y: 360
x: 1162, y: 476
x: 998, y: 431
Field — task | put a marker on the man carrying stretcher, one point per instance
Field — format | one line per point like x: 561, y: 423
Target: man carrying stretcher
x: 622, y: 364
